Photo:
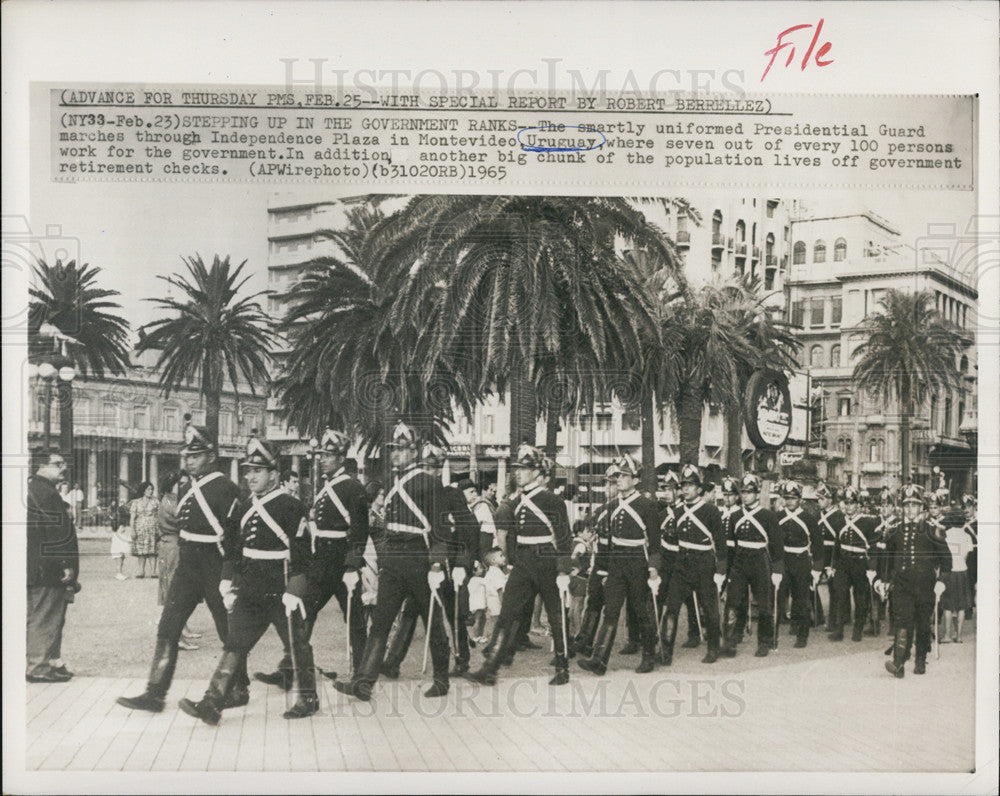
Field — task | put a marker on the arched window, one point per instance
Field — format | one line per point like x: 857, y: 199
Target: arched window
x: 848, y: 447
x: 963, y: 366
x: 819, y: 252
x: 835, y: 357
x: 839, y: 250
x: 741, y: 231
x: 799, y: 253
x: 891, y: 442
x: 816, y: 356
x: 947, y: 417
x: 876, y: 449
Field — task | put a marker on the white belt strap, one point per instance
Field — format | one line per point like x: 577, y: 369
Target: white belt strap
x: 797, y: 516
x: 267, y: 555
x: 329, y: 534
x: 825, y: 521
x: 756, y: 523
x: 797, y: 549
x: 533, y: 540
x: 853, y: 549
x: 752, y: 545
x: 259, y: 507
x: 667, y: 546
x: 399, y: 489
x: 331, y: 494
x: 529, y: 503
x: 618, y: 540
x: 205, y: 508
x: 399, y: 527
x: 694, y: 546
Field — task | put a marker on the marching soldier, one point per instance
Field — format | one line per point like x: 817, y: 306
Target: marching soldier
x: 338, y: 532
x: 633, y: 565
x: 803, y: 545
x: 700, y: 567
x: 416, y: 550
x: 912, y: 569
x: 541, y: 544
x: 584, y: 641
x: 936, y: 504
x: 887, y: 522
x: 263, y: 583
x: 831, y: 521
x: 673, y: 504
x: 729, y: 513
x: 852, y: 568
x: 209, y: 532
x: 757, y: 561
x: 463, y: 530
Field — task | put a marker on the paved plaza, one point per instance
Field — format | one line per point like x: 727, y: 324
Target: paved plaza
x: 834, y: 709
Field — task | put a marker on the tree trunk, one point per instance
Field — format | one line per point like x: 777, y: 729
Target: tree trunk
x: 211, y: 389
x: 65, y: 389
x: 522, y: 408
x: 904, y: 448
x: 734, y: 441
x: 689, y: 413
x: 648, y: 437
x: 551, y: 430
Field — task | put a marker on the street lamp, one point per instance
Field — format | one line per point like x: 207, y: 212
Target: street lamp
x: 313, y: 454
x: 51, y: 369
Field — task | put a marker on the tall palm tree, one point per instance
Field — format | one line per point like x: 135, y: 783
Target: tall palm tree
x: 533, y: 290
x: 908, y: 351
x: 212, y: 332
x: 67, y: 297
x: 352, y: 343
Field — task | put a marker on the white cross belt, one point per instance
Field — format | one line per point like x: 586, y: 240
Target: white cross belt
x: 399, y: 527
x: 329, y: 534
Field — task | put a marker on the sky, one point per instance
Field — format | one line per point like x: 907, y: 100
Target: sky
x: 138, y: 231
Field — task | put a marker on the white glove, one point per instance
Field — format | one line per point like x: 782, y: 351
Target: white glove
x: 292, y: 604
x: 562, y: 583
x: 435, y: 578
x: 229, y: 600
x: 816, y: 575
x: 939, y: 588
x: 719, y: 579
x: 225, y: 586
x: 654, y: 581
x: 458, y: 576
x: 870, y: 574
x: 830, y: 572
x: 351, y: 579
x: 776, y: 579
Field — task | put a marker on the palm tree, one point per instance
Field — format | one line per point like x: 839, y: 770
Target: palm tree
x: 524, y: 290
x: 353, y: 342
x: 211, y: 332
x: 67, y: 297
x: 908, y: 351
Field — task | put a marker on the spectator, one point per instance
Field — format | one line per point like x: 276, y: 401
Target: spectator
x: 495, y: 581
x: 144, y: 527
x: 76, y: 503
x: 63, y: 488
x: 481, y: 510
x: 957, y: 595
x: 290, y: 483
x: 121, y: 544
x: 167, y: 540
x: 52, y: 569
x: 490, y: 495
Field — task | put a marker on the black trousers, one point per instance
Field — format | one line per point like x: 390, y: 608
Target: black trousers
x: 199, y: 570
x: 627, y: 580
x: 534, y: 573
x: 850, y: 578
x: 326, y: 580
x: 459, y: 629
x: 595, y: 603
x: 752, y: 567
x: 912, y: 606
x: 403, y: 576
x: 798, y: 582
x: 694, y: 574
x: 667, y: 568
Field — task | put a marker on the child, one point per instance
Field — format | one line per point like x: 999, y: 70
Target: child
x: 121, y: 543
x: 495, y: 580
x: 477, y: 603
x: 584, y: 545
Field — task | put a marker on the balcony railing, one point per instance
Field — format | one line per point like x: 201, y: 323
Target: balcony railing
x: 741, y: 250
x: 683, y: 237
x: 756, y: 252
x: 718, y: 240
x: 771, y: 261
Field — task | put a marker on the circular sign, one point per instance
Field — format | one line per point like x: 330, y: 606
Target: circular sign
x: 768, y: 409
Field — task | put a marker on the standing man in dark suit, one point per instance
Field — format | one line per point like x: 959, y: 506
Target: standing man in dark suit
x: 53, y: 566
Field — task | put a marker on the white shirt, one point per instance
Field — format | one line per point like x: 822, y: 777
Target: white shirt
x: 959, y: 544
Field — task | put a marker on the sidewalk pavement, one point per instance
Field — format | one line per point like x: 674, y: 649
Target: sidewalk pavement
x: 838, y: 713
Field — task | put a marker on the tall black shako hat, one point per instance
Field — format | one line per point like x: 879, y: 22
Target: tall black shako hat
x: 259, y: 454
x: 197, y: 439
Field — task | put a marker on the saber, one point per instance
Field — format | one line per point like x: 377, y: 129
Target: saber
x: 937, y: 641
x: 774, y: 635
x: 876, y: 627
x: 427, y: 634
x: 447, y: 630
x: 454, y: 626
x: 347, y: 633
x: 656, y: 610
x: 697, y: 615
x: 565, y: 619
x: 291, y: 644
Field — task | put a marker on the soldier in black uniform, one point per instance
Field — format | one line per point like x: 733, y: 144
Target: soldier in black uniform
x: 912, y: 569
x: 263, y: 583
x: 831, y: 520
x: 700, y: 567
x: 415, y: 549
x: 591, y: 619
x: 463, y: 530
x: 209, y: 532
x: 853, y: 570
x: 803, y: 545
x: 542, y: 545
x: 339, y: 532
x: 729, y: 513
x: 887, y: 522
x: 758, y: 560
x: 633, y: 565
